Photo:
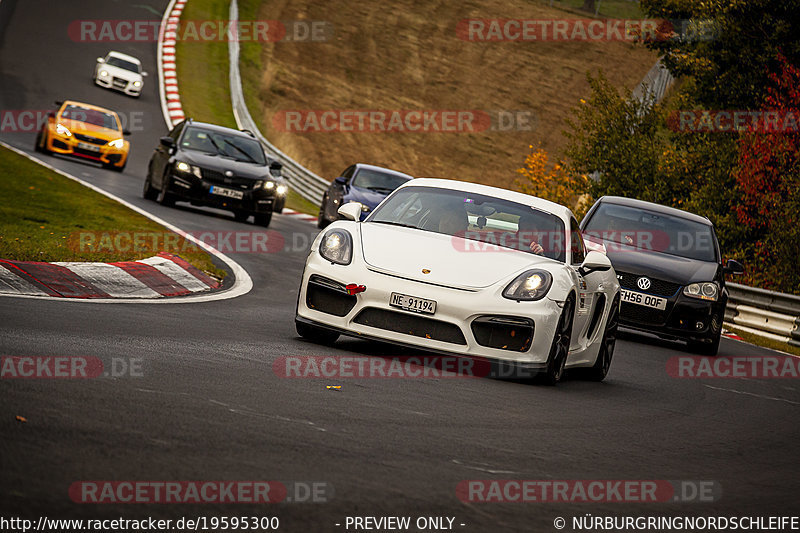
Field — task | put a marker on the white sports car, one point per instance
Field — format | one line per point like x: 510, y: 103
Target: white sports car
x: 120, y: 72
x: 467, y: 269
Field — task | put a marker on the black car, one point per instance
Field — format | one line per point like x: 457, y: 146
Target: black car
x: 219, y: 167
x: 669, y: 268
x: 362, y: 183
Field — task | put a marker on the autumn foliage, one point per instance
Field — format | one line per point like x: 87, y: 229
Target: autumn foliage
x: 555, y: 183
x: 768, y: 179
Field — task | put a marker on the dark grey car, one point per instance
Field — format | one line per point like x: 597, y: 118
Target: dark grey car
x: 213, y: 166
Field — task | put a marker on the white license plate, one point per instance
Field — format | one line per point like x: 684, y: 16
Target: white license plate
x: 646, y: 300
x: 90, y: 147
x: 412, y: 303
x: 230, y: 193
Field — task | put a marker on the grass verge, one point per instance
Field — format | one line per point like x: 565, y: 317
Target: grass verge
x: 202, y: 68
x: 47, y: 217
x: 765, y: 343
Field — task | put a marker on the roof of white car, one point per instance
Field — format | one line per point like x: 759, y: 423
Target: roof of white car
x: 126, y: 57
x: 504, y: 194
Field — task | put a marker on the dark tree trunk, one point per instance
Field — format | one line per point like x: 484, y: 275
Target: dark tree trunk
x: 588, y: 5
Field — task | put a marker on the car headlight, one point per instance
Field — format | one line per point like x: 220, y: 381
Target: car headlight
x: 703, y: 291
x: 365, y: 208
x: 337, y: 247
x: 137, y: 84
x: 116, y: 143
x: 281, y: 190
x: 62, y: 130
x: 529, y: 286
x: 183, y: 166
x: 268, y: 185
x: 104, y: 73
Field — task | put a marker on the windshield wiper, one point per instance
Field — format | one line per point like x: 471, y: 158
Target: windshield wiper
x: 380, y: 189
x: 249, y: 158
x: 216, y: 146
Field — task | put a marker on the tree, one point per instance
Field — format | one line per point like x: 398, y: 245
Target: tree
x: 615, y: 137
x: 729, y: 47
x: 768, y: 176
x: 557, y: 184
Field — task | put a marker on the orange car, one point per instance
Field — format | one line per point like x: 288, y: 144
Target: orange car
x: 86, y: 131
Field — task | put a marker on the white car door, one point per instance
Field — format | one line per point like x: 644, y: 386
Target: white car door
x: 588, y: 287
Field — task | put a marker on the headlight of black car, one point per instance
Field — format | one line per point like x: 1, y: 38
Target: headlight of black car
x: 186, y: 168
x: 337, y: 247
x: 703, y: 291
x: 529, y: 286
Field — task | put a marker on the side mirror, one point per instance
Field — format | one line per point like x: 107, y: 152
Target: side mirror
x: 167, y: 141
x: 101, y: 60
x: 275, y: 168
x: 733, y: 267
x: 595, y: 262
x: 350, y: 211
x: 341, y: 180
x: 126, y: 132
x: 51, y: 114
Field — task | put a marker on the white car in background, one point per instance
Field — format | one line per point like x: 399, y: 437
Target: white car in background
x: 120, y: 72
x: 465, y: 269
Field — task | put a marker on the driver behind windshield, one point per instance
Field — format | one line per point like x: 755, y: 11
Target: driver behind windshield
x: 528, y: 234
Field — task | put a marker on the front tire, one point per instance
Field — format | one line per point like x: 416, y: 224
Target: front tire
x: 263, y: 219
x: 315, y: 334
x: 559, y: 350
x: 600, y: 369
x: 149, y: 193
x: 240, y: 216
x: 165, y: 198
x: 41, y: 142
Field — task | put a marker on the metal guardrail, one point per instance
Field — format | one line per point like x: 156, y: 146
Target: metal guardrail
x: 655, y: 83
x: 769, y: 314
x: 302, y: 180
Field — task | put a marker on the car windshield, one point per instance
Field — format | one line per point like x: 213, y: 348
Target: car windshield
x: 217, y: 143
x: 90, y: 116
x: 475, y: 217
x: 123, y: 64
x: 378, y: 181
x: 650, y: 230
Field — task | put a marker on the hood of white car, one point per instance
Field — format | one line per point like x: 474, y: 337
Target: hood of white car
x: 121, y: 73
x: 451, y: 261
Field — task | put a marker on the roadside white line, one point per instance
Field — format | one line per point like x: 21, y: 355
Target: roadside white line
x: 761, y: 396
x: 734, y: 326
x: 241, y: 285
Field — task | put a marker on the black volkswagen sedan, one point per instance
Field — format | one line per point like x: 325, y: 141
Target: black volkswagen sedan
x: 669, y: 267
x: 215, y: 166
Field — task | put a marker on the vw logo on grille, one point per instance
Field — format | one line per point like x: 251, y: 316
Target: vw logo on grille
x: 229, y: 173
x: 643, y: 283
